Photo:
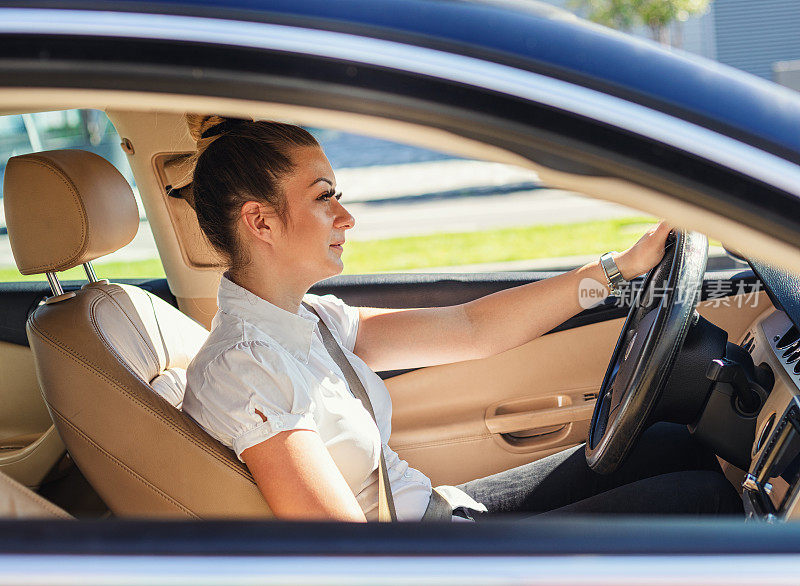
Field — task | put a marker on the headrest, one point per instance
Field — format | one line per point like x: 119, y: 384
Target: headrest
x: 66, y: 208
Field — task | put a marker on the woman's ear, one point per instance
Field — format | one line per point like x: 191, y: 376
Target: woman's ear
x: 259, y: 220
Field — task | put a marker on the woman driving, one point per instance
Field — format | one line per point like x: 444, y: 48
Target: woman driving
x: 287, y: 379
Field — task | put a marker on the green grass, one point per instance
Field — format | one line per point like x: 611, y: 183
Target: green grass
x: 437, y: 250
x: 492, y: 246
x: 111, y: 270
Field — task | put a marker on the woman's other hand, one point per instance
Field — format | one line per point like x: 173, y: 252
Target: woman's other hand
x: 645, y: 254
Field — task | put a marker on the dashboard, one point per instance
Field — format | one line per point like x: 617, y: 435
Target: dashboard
x: 771, y: 487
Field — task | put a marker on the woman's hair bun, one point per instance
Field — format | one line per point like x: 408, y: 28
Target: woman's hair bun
x: 199, y: 123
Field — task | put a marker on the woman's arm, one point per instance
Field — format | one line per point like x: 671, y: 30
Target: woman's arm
x: 300, y: 480
x: 390, y: 339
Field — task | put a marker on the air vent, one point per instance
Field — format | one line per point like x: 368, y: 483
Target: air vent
x: 789, y: 342
x: 791, y: 349
x: 788, y: 339
x: 749, y: 342
x: 590, y: 396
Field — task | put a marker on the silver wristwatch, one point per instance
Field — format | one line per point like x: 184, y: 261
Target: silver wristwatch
x: 611, y: 271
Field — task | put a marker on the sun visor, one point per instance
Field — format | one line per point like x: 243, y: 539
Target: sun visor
x: 178, y: 170
x: 174, y: 172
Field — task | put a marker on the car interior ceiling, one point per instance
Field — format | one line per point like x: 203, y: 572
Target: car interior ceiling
x: 430, y: 440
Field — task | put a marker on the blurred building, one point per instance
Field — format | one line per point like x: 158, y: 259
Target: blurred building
x: 761, y: 37
x: 788, y: 73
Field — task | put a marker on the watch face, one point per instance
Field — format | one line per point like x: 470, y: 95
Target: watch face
x: 613, y: 271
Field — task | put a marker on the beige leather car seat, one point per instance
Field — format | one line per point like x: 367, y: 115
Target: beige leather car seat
x: 110, y: 358
x: 20, y: 502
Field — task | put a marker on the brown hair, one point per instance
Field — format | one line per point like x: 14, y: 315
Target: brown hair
x: 239, y: 161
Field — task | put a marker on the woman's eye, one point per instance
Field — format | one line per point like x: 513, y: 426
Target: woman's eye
x: 329, y: 194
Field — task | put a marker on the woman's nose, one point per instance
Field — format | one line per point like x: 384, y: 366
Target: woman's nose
x: 344, y: 219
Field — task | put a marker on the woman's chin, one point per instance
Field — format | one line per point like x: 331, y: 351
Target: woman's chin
x: 334, y: 267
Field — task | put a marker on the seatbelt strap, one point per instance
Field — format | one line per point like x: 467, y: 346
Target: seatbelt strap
x: 386, y: 511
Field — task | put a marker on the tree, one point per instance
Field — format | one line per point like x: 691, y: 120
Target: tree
x: 656, y: 15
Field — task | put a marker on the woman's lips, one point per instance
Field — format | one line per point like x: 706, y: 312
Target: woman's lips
x: 337, y: 247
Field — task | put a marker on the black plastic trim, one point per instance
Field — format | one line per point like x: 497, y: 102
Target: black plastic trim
x: 21, y: 298
x: 783, y: 288
x: 403, y: 290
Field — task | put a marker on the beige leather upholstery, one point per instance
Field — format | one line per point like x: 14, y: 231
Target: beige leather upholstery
x: 19, y: 502
x: 65, y: 208
x: 98, y: 356
x: 111, y: 360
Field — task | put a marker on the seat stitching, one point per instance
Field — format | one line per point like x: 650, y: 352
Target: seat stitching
x: 124, y: 467
x: 120, y: 387
x: 102, y: 337
x: 60, y: 174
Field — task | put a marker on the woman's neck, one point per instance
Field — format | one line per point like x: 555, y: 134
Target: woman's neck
x: 279, y: 291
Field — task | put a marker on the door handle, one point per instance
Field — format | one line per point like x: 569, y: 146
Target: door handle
x: 514, y: 422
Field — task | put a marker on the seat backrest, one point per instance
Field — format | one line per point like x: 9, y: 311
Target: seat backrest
x: 111, y: 358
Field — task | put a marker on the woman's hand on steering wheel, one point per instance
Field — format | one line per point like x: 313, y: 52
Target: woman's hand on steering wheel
x: 645, y: 254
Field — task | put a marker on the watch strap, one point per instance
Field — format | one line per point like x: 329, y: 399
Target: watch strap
x: 612, y: 273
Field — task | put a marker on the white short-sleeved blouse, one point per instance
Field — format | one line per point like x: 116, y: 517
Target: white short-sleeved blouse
x: 261, y: 357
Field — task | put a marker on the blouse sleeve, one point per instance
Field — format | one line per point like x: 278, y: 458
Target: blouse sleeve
x: 252, y: 377
x: 340, y: 317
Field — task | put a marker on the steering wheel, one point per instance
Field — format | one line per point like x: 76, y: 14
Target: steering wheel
x: 646, y: 351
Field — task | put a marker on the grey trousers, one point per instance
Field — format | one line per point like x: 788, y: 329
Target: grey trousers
x: 667, y: 473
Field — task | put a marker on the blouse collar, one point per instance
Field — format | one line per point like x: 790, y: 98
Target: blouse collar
x: 293, y: 331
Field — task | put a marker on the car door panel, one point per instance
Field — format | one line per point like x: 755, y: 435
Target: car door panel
x: 29, y: 444
x: 443, y: 416
x: 23, y: 411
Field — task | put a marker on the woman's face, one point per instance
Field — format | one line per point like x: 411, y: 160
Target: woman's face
x: 313, y: 238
